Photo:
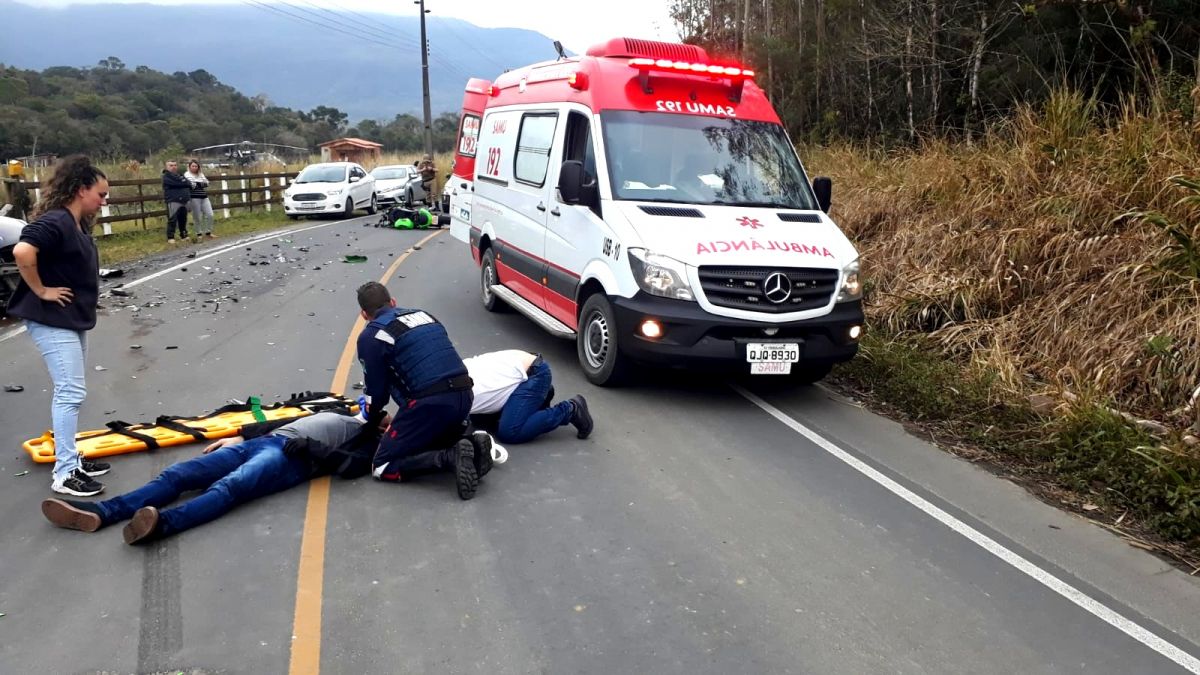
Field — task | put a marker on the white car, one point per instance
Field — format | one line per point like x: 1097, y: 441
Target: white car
x: 332, y: 187
x: 390, y: 181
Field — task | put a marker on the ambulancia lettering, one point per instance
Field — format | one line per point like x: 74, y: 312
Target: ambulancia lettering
x: 755, y: 245
x: 695, y: 108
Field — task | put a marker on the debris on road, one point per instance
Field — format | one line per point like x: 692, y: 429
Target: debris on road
x: 106, y: 273
x: 13, y: 388
x: 172, y: 346
x: 359, y: 385
x: 355, y: 259
x: 119, y: 292
x: 18, y: 475
x: 100, y: 368
x: 135, y: 346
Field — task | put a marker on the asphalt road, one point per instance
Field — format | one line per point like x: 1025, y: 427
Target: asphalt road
x: 701, y: 528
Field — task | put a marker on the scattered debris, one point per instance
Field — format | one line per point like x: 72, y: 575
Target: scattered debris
x: 359, y: 385
x: 354, y: 258
x: 99, y: 368
x: 182, y: 269
x: 312, y: 313
x: 192, y: 254
x: 135, y: 346
x: 18, y: 475
x: 172, y: 346
x: 119, y: 292
x: 416, y: 248
x: 111, y: 274
x: 13, y: 388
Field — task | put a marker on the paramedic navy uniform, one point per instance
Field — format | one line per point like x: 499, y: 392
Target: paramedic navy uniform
x: 407, y: 356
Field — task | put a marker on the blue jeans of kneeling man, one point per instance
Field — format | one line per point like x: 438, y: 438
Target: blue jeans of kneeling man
x: 232, y: 475
x: 523, y: 418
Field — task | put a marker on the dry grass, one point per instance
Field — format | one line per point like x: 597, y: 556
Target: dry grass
x: 1024, y: 254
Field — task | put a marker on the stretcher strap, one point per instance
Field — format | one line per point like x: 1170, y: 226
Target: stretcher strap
x: 169, y: 423
x: 256, y: 409
x: 123, y: 428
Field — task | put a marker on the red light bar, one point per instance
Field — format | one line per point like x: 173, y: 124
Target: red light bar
x: 578, y: 80
x: 687, y: 67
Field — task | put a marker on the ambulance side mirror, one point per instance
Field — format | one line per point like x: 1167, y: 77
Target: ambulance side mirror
x: 571, y: 186
x: 823, y: 187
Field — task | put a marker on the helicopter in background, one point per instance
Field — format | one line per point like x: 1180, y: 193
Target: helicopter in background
x: 246, y: 153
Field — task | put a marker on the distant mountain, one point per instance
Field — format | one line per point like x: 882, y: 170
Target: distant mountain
x: 367, y: 65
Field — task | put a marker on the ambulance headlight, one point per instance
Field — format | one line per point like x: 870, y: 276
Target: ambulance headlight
x: 851, y: 283
x: 659, y: 275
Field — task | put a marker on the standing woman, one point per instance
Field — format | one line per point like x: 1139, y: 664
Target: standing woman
x: 199, y: 205
x: 57, y: 297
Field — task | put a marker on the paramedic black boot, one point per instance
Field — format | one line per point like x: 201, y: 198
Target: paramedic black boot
x: 482, y: 442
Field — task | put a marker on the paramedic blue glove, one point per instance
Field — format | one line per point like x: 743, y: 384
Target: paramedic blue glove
x: 362, y: 407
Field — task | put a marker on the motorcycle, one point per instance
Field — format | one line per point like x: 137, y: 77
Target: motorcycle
x: 10, y: 234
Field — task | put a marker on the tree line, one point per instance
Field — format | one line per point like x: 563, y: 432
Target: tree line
x: 113, y: 112
x: 901, y: 69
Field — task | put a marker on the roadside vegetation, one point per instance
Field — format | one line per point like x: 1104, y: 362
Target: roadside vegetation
x: 1035, y: 295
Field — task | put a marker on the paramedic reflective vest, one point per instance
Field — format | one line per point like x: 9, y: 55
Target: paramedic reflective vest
x: 419, y: 355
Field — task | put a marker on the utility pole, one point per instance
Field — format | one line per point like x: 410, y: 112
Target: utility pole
x: 425, y: 80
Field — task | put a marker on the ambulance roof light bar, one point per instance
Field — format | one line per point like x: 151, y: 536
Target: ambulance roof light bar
x: 737, y: 75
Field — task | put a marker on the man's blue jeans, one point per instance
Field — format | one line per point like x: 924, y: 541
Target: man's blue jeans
x: 65, y: 352
x: 523, y: 418
x: 229, y: 476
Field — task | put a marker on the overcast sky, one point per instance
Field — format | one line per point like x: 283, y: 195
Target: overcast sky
x: 578, y: 25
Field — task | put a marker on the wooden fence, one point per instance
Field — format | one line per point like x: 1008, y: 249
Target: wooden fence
x: 128, y: 199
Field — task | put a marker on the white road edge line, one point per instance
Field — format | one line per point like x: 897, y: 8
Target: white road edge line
x: 191, y: 261
x: 1074, y: 595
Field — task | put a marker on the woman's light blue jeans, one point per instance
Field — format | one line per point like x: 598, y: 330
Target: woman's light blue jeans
x: 65, y: 352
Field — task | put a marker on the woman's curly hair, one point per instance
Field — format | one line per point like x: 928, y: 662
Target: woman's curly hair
x: 71, y: 175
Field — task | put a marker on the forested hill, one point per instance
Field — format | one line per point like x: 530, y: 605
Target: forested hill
x: 112, y: 111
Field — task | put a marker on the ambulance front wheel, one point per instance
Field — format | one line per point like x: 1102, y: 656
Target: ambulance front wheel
x: 488, y: 278
x: 597, y: 344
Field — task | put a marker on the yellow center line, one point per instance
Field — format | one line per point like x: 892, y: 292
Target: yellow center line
x: 310, y: 578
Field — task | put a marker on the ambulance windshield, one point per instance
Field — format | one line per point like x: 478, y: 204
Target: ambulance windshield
x: 692, y: 159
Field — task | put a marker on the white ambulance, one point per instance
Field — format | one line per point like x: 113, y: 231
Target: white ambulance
x: 645, y: 201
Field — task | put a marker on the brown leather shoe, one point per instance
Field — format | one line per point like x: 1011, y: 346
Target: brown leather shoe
x: 143, y: 527
x: 71, y: 514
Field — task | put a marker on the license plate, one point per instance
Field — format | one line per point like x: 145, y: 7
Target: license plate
x: 772, y: 352
x: 772, y: 358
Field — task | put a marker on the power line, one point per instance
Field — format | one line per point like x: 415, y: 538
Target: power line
x: 276, y: 10
x: 350, y: 24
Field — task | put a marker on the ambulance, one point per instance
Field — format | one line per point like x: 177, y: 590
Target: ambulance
x: 645, y: 201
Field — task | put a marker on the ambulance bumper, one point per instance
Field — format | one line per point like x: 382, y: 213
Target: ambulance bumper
x: 693, y: 337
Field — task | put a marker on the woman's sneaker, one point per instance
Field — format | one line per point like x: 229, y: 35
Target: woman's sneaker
x: 93, y: 468
x: 78, y: 484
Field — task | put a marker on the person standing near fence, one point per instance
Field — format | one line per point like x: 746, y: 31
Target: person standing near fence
x: 200, y: 206
x: 177, y: 192
x: 57, y: 297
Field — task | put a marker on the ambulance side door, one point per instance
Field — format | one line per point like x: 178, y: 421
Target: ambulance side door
x: 575, y: 232
x: 521, y: 262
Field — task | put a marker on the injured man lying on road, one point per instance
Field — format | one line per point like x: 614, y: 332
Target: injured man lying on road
x: 268, y: 457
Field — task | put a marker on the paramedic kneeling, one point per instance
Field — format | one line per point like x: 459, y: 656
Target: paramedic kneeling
x: 513, y: 393
x: 407, y: 356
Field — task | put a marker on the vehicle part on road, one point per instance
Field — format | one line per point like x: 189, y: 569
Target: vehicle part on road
x: 355, y: 259
x: 13, y: 388
x: 171, y: 430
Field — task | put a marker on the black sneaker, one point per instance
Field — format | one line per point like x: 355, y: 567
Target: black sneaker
x: 580, y: 417
x: 143, y: 527
x: 465, y: 478
x: 93, y: 468
x: 72, y: 514
x: 78, y: 484
x: 482, y: 442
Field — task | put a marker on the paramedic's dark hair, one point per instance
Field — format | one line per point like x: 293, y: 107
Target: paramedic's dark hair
x: 373, y: 296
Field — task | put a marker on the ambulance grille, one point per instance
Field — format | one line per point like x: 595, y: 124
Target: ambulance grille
x: 675, y: 211
x: 663, y: 50
x: 742, y: 287
x: 799, y: 217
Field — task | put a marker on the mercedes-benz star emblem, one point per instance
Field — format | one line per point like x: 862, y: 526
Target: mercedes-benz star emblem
x: 777, y: 287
